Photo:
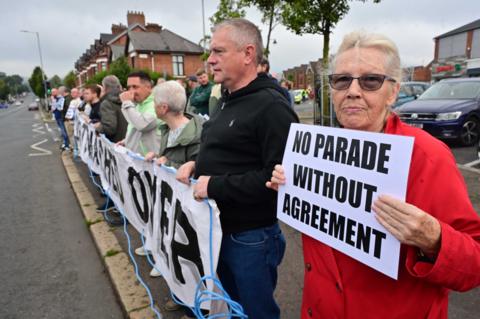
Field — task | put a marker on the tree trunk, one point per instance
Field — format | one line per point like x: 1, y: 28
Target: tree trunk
x: 325, y: 115
x: 272, y: 11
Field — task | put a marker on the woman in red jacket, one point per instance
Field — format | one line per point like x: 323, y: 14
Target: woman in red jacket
x: 437, y: 225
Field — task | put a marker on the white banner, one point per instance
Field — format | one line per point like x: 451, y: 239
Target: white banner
x: 333, y: 176
x: 176, y: 227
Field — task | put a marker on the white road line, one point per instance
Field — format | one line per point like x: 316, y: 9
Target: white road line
x: 54, y: 138
x: 42, y: 151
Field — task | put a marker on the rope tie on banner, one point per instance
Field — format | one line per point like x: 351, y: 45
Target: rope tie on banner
x: 235, y: 310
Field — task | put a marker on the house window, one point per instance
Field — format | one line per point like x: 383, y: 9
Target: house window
x: 177, y: 61
x: 452, y: 46
x: 104, y: 66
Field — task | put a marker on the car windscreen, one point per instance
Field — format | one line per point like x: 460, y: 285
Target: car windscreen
x: 452, y: 90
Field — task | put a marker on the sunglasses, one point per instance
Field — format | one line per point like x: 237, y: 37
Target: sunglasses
x: 368, y: 82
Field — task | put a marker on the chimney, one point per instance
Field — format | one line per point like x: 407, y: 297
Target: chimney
x: 118, y: 28
x: 135, y: 17
x: 153, y: 27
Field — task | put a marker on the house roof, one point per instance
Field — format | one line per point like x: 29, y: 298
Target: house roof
x: 467, y: 27
x: 106, y: 37
x: 127, y: 30
x: 163, y: 41
x: 117, y: 51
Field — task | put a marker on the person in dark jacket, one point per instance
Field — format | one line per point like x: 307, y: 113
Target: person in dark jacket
x: 201, y: 94
x: 240, y: 145
x: 92, y: 97
x: 112, y: 122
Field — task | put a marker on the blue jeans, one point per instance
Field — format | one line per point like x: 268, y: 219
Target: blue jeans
x: 247, y: 268
x: 61, y: 125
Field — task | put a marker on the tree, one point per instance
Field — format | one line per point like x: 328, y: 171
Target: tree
x: 36, y: 82
x: 314, y: 17
x: 4, y: 90
x: 228, y: 9
x: 120, y: 69
x: 55, y: 81
x: 97, y: 78
x: 271, y: 15
x: 69, y: 80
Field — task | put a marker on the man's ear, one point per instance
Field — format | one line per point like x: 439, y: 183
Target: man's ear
x: 250, y: 54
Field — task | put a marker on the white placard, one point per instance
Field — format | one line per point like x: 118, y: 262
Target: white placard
x: 333, y: 176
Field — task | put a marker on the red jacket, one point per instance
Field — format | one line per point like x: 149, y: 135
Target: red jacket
x: 337, y: 286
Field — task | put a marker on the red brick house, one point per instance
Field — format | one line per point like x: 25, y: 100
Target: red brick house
x: 146, y: 45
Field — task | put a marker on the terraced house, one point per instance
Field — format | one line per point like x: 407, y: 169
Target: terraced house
x: 145, y: 45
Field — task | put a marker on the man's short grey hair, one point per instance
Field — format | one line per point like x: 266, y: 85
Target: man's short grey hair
x: 62, y: 89
x: 362, y: 39
x: 243, y: 32
x: 172, y: 94
x: 111, y: 83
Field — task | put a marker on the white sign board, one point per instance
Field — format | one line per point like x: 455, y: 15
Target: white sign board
x: 333, y: 176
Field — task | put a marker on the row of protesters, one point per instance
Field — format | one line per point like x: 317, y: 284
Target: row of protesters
x: 437, y: 226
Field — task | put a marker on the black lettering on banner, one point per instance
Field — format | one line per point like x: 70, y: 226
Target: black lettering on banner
x: 341, y: 150
x: 379, y: 236
x: 111, y: 173
x: 189, y: 251
x: 336, y: 226
x: 354, y: 153
x: 328, y: 154
x: 135, y: 178
x: 166, y: 195
x: 301, y: 142
x: 319, y: 143
x: 369, y: 155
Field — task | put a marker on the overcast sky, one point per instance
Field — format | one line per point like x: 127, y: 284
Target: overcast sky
x: 68, y: 28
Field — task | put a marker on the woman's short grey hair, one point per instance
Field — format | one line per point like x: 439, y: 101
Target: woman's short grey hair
x: 111, y: 83
x: 172, y: 94
x: 362, y: 39
x: 243, y: 32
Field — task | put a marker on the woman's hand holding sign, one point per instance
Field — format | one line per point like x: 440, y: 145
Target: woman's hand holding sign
x: 409, y: 224
x: 278, y: 178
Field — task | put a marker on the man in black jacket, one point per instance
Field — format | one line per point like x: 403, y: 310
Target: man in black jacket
x: 240, y: 145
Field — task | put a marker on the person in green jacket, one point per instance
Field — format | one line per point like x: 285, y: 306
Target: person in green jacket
x: 201, y: 94
x: 181, y: 132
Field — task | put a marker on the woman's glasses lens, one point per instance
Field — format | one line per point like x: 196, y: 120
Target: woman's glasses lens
x: 368, y: 82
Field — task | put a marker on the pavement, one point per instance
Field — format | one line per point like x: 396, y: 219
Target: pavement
x: 49, y: 265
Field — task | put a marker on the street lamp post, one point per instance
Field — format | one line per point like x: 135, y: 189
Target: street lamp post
x: 44, y: 78
x: 204, y: 39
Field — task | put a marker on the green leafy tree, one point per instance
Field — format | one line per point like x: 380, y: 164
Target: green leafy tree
x: 120, y: 69
x: 69, y: 80
x: 98, y: 78
x: 271, y: 15
x: 4, y: 89
x: 317, y: 17
x: 55, y: 81
x: 228, y: 9
x: 36, y: 83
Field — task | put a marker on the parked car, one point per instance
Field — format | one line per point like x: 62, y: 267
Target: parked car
x: 18, y: 103
x: 298, y: 96
x: 33, y: 106
x: 449, y: 109
x: 3, y: 105
x: 410, y: 91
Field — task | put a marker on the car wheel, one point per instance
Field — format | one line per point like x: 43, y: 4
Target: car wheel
x: 470, y: 131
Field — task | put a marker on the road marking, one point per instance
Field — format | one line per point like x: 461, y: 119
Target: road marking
x: 38, y: 128
x: 54, y: 138
x: 42, y: 151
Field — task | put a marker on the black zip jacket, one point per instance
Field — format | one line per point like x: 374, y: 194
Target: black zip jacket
x: 241, y: 144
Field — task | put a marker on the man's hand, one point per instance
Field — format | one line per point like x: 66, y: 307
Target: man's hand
x: 120, y: 143
x: 185, y: 171
x: 409, y: 224
x: 278, y: 178
x: 126, y: 96
x: 200, y: 188
x: 95, y: 125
